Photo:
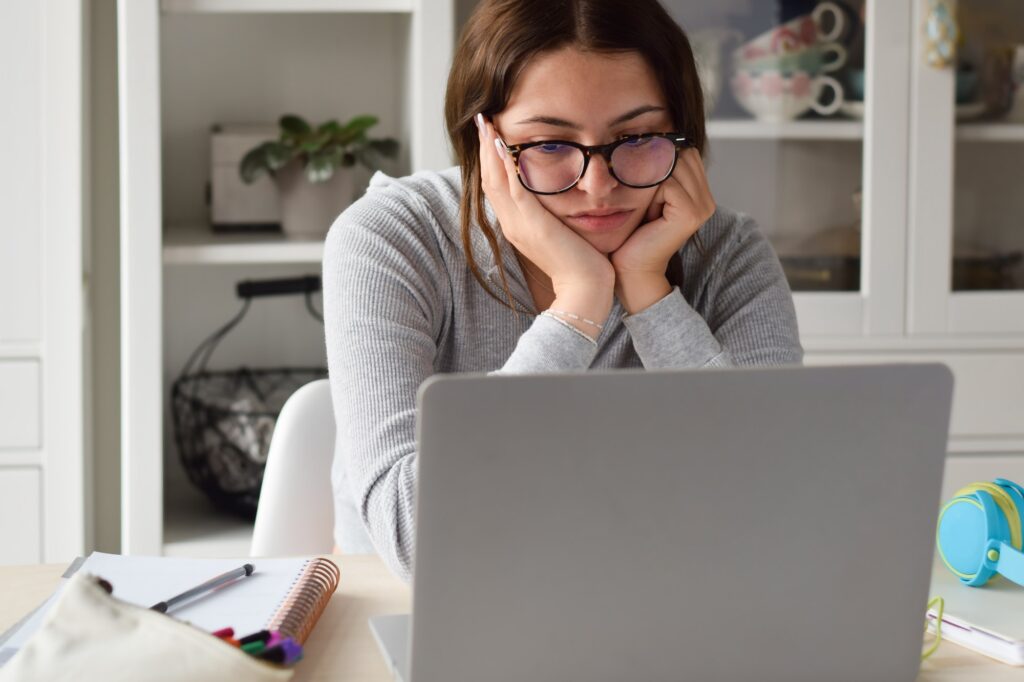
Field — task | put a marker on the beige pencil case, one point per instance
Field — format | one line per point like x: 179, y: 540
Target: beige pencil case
x: 90, y: 635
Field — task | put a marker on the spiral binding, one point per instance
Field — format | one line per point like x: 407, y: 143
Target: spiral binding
x: 306, y: 600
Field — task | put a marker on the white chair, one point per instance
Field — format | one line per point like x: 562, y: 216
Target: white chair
x: 296, y: 512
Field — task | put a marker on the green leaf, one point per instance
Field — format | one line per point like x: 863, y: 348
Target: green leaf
x: 278, y: 155
x: 331, y: 127
x: 320, y: 168
x: 360, y: 124
x: 294, y: 125
x: 387, y: 146
x: 355, y: 130
x: 253, y: 164
x: 315, y: 143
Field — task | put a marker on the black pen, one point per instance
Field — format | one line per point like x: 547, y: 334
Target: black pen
x: 211, y: 584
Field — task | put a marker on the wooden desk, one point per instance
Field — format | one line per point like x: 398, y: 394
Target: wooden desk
x: 342, y: 647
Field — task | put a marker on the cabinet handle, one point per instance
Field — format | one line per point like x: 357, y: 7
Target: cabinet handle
x: 942, y: 33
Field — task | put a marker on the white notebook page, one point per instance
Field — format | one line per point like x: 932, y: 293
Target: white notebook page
x: 246, y: 604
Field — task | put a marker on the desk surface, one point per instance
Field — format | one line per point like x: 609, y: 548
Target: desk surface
x: 342, y: 647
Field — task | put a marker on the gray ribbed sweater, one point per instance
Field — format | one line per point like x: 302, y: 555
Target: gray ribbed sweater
x: 400, y: 304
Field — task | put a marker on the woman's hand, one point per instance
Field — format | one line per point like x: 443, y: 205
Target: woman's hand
x: 680, y: 206
x: 582, y: 278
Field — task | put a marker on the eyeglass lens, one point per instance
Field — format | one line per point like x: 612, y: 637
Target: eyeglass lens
x: 556, y: 167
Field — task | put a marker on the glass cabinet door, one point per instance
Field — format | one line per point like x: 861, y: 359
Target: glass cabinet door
x: 791, y: 87
x: 979, y: 92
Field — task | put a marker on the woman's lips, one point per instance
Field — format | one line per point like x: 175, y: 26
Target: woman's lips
x: 601, y: 223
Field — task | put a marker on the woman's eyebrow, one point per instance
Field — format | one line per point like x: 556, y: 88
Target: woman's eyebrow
x: 549, y: 120
x: 639, y: 111
x: 562, y: 123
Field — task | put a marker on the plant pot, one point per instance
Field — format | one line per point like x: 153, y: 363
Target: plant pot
x: 308, y: 209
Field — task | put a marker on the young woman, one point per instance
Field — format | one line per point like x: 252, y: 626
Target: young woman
x: 578, y: 231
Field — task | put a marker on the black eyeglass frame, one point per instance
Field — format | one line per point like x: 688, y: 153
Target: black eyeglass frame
x: 679, y: 140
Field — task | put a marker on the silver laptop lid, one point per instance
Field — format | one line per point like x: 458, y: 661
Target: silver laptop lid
x: 751, y: 524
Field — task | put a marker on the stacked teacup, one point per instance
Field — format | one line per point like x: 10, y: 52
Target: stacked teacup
x: 781, y: 74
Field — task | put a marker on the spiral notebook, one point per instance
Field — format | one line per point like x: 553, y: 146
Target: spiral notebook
x: 287, y: 595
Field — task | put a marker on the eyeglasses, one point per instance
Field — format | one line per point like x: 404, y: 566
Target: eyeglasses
x: 556, y: 166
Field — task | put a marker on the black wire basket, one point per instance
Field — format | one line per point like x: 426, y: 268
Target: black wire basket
x: 224, y: 420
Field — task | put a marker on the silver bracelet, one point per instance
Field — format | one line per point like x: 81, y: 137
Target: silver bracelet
x: 556, y: 318
x: 573, y: 316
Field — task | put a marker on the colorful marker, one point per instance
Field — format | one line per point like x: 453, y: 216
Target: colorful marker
x: 255, y: 647
x: 287, y: 652
x: 260, y: 636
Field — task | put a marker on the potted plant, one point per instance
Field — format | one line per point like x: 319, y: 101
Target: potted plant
x: 310, y: 166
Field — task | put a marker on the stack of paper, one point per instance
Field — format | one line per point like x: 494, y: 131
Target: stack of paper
x: 987, y: 619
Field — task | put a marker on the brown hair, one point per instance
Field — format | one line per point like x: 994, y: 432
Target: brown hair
x: 498, y: 42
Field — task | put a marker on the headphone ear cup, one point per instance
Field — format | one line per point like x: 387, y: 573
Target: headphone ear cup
x: 966, y: 524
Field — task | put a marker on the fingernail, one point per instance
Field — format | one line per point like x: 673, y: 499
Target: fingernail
x: 500, y: 147
x: 479, y: 120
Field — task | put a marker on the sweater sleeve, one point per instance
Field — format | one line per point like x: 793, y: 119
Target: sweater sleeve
x: 550, y: 346
x: 382, y: 316
x: 751, y: 318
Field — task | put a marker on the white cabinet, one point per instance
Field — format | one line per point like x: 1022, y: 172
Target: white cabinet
x: 966, y: 271
x: 19, y: 405
x: 43, y: 457
x: 20, y: 516
x: 184, y: 66
x: 20, y: 241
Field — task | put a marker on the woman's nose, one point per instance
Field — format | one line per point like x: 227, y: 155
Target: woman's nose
x: 598, y: 179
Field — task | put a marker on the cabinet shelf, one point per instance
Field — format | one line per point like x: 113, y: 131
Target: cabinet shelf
x: 991, y: 132
x: 743, y: 129
x: 285, y: 6
x: 192, y: 528
x: 197, y: 245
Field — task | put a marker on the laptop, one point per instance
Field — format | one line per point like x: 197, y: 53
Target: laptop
x: 733, y: 524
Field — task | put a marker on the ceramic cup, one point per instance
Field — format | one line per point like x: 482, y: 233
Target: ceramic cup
x: 776, y: 96
x: 796, y: 34
x: 817, y: 58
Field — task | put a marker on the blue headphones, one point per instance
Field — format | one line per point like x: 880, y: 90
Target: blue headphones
x: 979, y: 532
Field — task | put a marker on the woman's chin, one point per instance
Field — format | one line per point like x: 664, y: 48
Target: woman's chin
x: 607, y: 243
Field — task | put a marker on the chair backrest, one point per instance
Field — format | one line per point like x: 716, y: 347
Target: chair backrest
x: 296, y: 509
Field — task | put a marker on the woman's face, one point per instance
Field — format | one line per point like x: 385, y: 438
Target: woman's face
x: 590, y: 98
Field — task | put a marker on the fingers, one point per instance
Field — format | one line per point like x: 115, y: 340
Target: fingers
x: 657, y: 205
x: 499, y: 175
x: 493, y: 176
x: 691, y: 159
x: 687, y: 190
